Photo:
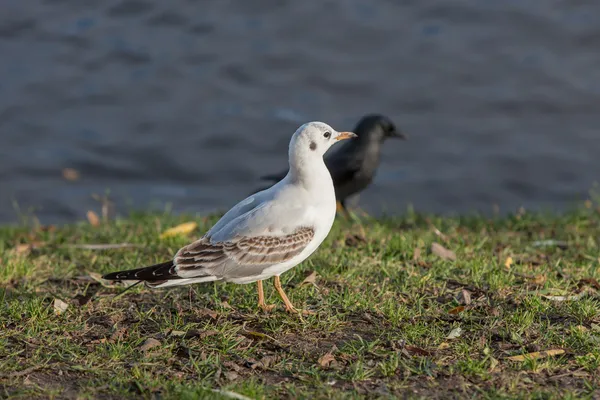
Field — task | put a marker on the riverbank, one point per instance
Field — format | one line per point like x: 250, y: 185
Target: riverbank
x: 414, y: 306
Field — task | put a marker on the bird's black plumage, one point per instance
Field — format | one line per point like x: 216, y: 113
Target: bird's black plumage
x: 152, y: 274
x: 354, y: 163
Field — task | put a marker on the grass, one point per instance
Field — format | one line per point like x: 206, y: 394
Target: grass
x: 386, y: 310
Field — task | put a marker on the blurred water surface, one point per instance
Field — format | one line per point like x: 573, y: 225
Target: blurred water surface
x: 189, y: 102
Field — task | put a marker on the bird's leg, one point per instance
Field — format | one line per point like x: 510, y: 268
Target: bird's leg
x: 261, y: 298
x: 289, y: 307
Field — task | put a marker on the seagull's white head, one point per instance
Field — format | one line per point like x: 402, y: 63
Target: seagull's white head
x: 307, y: 147
x: 315, y: 138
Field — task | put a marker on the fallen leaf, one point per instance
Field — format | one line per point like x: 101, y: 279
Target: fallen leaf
x: 464, y: 297
x: 442, y: 252
x: 93, y: 218
x: 310, y: 279
x: 326, y: 360
x: 443, y: 345
x: 265, y: 362
x: 226, y: 305
x: 493, y: 364
x: 177, y: 333
x: 455, y: 333
x: 538, y: 280
x: 231, y: 375
x: 207, y: 311
x: 457, y: 310
x: 537, y: 354
x: 60, y: 306
x: 418, y: 351
x: 508, y: 262
x: 181, y: 229
x: 573, y: 297
x: 70, y: 174
x: 149, y: 344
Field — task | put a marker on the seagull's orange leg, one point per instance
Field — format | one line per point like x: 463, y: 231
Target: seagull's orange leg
x: 289, y: 307
x: 261, y: 298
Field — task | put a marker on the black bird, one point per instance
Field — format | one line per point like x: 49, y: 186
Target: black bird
x: 354, y: 163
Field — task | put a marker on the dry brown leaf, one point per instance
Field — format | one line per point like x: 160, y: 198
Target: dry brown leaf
x: 310, y: 279
x: 537, y: 354
x: 181, y: 229
x: 442, y: 252
x: 93, y: 218
x: 70, y: 174
x: 60, y: 306
x: 508, y: 262
x: 464, y: 297
x: 149, y: 344
x: 264, y: 362
x: 457, y: 310
x: 207, y: 311
x: 538, y: 280
x: 326, y: 360
x: 418, y: 351
x: 443, y: 345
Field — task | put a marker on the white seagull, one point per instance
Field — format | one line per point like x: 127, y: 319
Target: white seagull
x: 267, y: 233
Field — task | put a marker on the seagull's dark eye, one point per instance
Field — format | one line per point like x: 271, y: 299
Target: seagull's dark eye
x: 327, y: 135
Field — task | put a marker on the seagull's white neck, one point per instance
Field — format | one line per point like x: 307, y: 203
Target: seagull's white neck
x: 309, y: 169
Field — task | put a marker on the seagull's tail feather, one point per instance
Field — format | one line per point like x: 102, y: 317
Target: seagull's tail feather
x: 157, y: 272
x: 157, y: 276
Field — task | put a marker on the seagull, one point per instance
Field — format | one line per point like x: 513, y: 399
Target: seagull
x: 267, y: 233
x: 353, y: 164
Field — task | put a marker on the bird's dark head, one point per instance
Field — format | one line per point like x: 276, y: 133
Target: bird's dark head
x: 377, y: 127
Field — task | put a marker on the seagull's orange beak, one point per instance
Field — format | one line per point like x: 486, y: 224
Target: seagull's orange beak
x: 346, y: 135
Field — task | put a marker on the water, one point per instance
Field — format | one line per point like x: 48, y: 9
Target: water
x: 189, y: 102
